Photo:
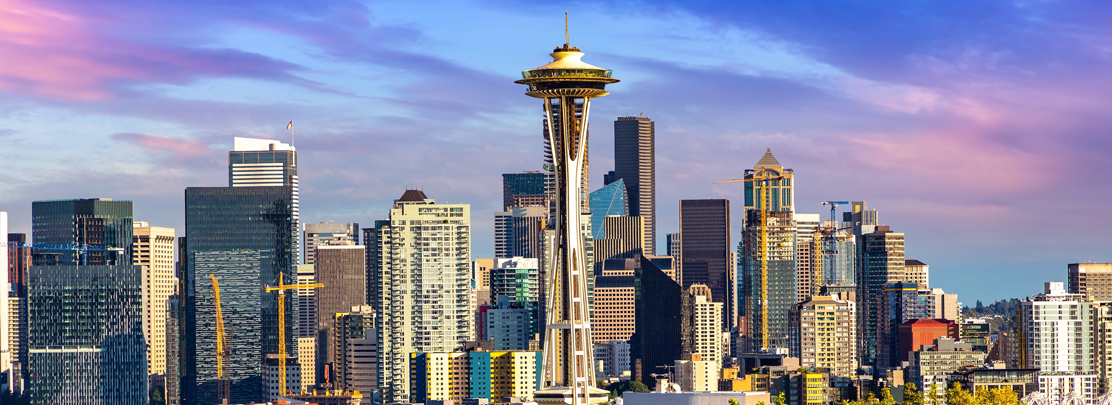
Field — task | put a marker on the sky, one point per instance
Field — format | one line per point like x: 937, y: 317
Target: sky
x: 981, y: 130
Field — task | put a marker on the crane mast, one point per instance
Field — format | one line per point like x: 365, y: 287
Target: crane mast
x: 223, y: 386
x: 282, y: 354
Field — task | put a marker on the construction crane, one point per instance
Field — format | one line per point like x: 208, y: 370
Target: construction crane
x: 81, y: 248
x: 760, y: 179
x: 281, y: 289
x: 833, y: 205
x: 223, y: 385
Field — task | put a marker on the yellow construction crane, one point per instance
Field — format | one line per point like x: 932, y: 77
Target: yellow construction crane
x: 223, y: 386
x: 760, y: 179
x: 281, y: 289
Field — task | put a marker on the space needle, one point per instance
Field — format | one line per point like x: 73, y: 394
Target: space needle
x: 567, y: 85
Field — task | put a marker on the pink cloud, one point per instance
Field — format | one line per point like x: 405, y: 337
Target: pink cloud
x: 161, y: 144
x: 53, y: 54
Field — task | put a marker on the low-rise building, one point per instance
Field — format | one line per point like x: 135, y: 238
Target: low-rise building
x: 612, y: 359
x: 934, y: 363
x: 474, y: 374
x: 1022, y: 381
x: 697, y: 374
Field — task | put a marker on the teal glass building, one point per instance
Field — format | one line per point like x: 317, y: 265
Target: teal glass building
x: 613, y: 199
x: 246, y: 236
x: 85, y: 335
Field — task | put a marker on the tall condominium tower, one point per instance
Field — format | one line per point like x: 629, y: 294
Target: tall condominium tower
x: 808, y: 251
x: 608, y: 201
x: 705, y: 252
x: 86, y: 335
x: 153, y: 248
x: 1093, y: 280
x: 524, y: 189
x: 567, y: 85
x: 1056, y: 331
x: 767, y: 256
x: 246, y: 237
x: 266, y: 163
x: 824, y: 334
x: 341, y: 269
x: 635, y: 164
x: 425, y: 280
x: 708, y: 324
x: 328, y: 233
x: 19, y: 261
x: 881, y: 264
x: 95, y: 222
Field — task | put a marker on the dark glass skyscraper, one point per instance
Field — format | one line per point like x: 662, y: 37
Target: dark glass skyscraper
x: 665, y: 322
x: 635, y: 163
x: 86, y: 335
x: 705, y: 252
x: 94, y: 222
x: 524, y: 189
x: 245, y: 236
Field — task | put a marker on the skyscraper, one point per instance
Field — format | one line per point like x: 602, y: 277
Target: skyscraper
x: 95, y: 222
x: 635, y: 164
x: 1056, y: 332
x: 328, y: 233
x: 266, y: 163
x: 246, y: 237
x: 524, y: 189
x: 839, y: 256
x: 882, y: 263
x: 768, y: 257
x: 607, y: 201
x: 1094, y: 280
x: 673, y: 245
x: 5, y: 310
x: 340, y: 269
x: 917, y: 272
x: 778, y: 185
x: 823, y: 334
x: 707, y: 325
x: 808, y: 249
x: 665, y: 322
x: 519, y: 231
x: 517, y: 278
x: 153, y: 248
x: 705, y: 252
x: 426, y: 290
x: 624, y: 239
x: 86, y: 335
x: 567, y: 85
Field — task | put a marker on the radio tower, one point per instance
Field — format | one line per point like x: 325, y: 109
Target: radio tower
x: 567, y: 86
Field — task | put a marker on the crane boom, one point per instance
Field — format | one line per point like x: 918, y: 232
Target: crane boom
x: 282, y: 354
x: 223, y: 386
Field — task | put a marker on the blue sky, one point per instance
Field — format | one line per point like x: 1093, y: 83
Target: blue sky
x: 980, y: 130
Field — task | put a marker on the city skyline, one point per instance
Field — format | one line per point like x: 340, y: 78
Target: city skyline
x: 954, y: 142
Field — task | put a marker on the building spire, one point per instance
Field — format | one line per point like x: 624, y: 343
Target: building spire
x: 566, y: 41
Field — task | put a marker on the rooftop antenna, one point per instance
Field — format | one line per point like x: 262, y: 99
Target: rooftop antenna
x: 566, y: 41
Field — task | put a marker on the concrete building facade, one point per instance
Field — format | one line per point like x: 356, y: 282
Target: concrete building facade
x: 328, y: 233
x: 824, y: 335
x: 1057, y: 332
x: 153, y: 248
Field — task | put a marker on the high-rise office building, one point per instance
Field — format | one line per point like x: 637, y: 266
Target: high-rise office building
x: 306, y: 324
x: 614, y: 318
x: 635, y: 164
x: 769, y: 186
x: 153, y: 248
x: 673, y: 245
x: 246, y: 237
x: 372, y: 239
x: 95, y: 222
x: 172, y: 393
x: 808, y: 253
x: 1093, y: 280
x: 524, y: 189
x: 665, y: 321
x: 328, y: 233
x: 86, y: 335
x: 266, y: 163
x: 824, y: 335
x: 768, y: 256
x: 1056, y: 332
x: 340, y: 269
x: 705, y: 252
x: 623, y: 239
x: 610, y: 200
x: 839, y: 256
x: 519, y: 231
x: 354, y: 350
x: 881, y: 263
x: 900, y: 304
x: 917, y: 272
x: 426, y: 290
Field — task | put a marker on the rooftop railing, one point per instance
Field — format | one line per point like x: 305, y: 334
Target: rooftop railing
x: 559, y: 73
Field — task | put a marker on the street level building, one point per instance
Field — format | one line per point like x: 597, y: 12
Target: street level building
x: 442, y: 376
x: 932, y: 365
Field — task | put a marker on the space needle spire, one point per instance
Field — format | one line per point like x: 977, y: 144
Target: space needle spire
x: 567, y: 85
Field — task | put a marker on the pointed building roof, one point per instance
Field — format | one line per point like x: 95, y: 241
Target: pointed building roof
x: 768, y: 160
x: 413, y: 195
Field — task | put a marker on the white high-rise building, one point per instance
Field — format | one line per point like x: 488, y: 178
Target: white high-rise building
x: 265, y: 163
x: 153, y: 248
x: 426, y: 284
x: 1057, y: 331
x: 708, y: 325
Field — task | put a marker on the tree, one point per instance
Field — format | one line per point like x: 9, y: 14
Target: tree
x: 958, y: 396
x: 996, y: 396
x: 157, y: 396
x: 619, y: 388
x: 933, y: 397
x: 733, y: 401
x: 912, y: 396
x: 779, y: 400
x: 886, y: 397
